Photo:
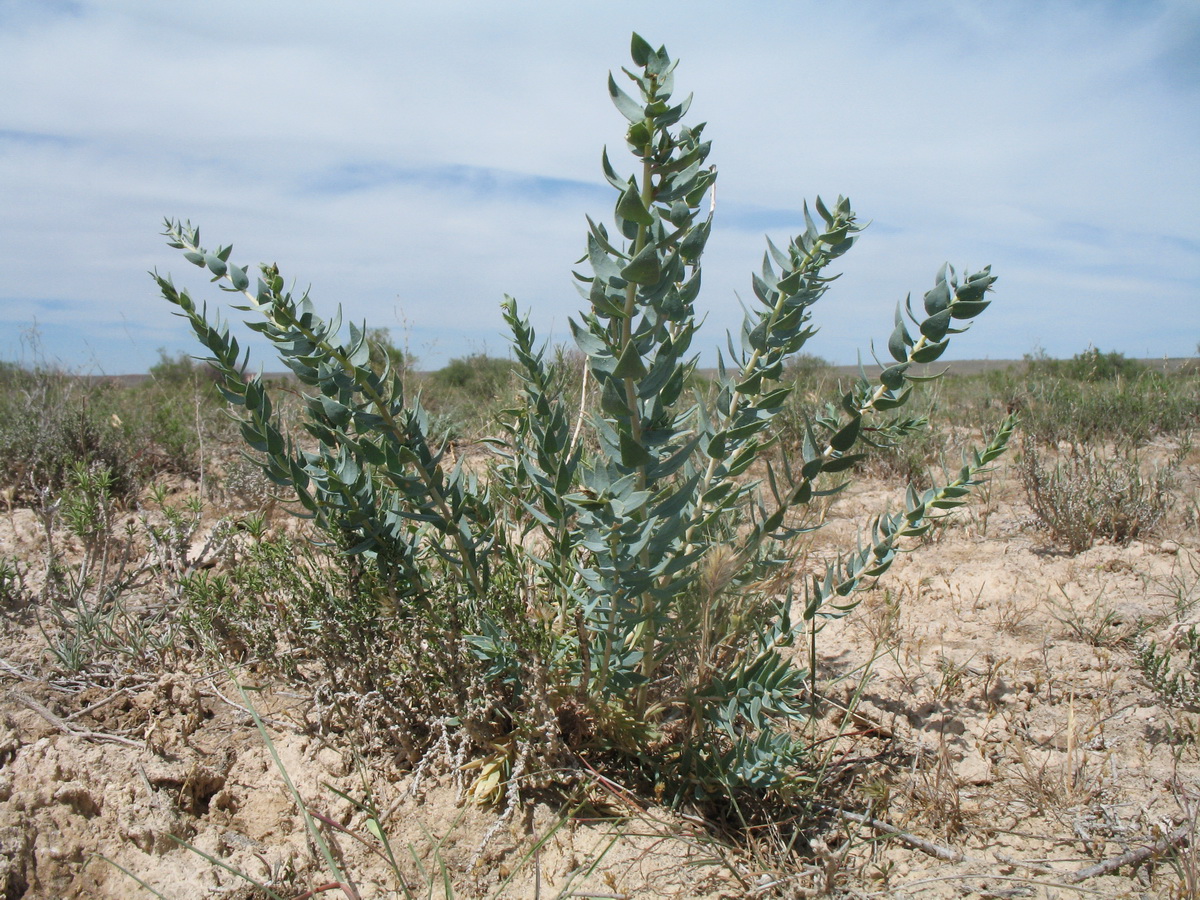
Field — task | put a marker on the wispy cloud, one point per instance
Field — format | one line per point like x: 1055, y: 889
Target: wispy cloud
x: 33, y: 139
x: 415, y: 161
x: 473, y: 181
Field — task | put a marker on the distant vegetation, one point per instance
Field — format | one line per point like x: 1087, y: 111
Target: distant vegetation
x: 1091, y: 365
x: 50, y: 418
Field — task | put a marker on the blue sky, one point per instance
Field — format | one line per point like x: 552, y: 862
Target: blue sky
x: 415, y: 163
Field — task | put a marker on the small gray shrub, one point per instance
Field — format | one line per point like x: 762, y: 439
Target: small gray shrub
x: 1086, y: 496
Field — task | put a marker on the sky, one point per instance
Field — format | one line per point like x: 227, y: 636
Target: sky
x: 414, y: 162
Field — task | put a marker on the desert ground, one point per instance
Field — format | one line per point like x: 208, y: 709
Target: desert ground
x: 989, y: 724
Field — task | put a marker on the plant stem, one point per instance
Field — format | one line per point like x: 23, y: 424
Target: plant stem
x: 649, y: 632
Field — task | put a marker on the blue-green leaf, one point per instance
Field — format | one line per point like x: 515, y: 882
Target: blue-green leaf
x: 969, y: 309
x: 630, y: 206
x: 893, y: 376
x: 624, y: 103
x: 930, y: 352
x: 215, y: 264
x: 239, y: 278
x: 645, y: 268
x: 629, y: 364
x: 847, y: 435
x: 899, y: 343
x: 939, y: 298
x: 640, y: 50
x: 935, y: 326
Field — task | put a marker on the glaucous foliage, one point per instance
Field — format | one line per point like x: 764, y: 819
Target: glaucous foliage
x: 626, y: 593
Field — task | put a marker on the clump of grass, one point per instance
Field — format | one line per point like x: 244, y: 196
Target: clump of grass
x: 813, y: 382
x: 242, y: 485
x: 812, y: 375
x: 89, y: 623
x: 911, y: 458
x: 109, y: 583
x: 177, y: 412
x: 907, y: 449
x: 1173, y: 668
x: 1091, y: 366
x: 1097, y: 624
x: 182, y: 370
x: 289, y: 608
x: 14, y: 589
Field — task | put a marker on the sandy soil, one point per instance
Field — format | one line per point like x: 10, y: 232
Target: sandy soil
x: 1003, y: 726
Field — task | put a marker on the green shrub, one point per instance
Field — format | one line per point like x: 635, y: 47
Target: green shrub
x: 14, y: 591
x: 468, y: 393
x: 479, y: 375
x: 283, y: 608
x: 625, y: 595
x: 812, y: 378
x: 177, y: 410
x: 50, y: 420
x: 913, y: 458
x: 94, y: 612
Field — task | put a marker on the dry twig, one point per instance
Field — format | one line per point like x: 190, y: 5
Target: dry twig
x: 948, y: 854
x: 61, y: 725
x: 938, y: 851
x: 95, y: 706
x: 1133, y: 857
